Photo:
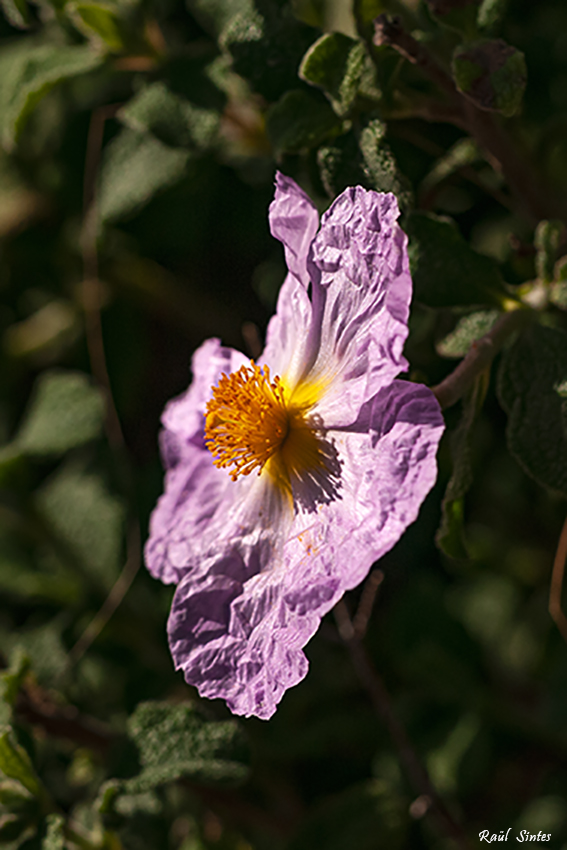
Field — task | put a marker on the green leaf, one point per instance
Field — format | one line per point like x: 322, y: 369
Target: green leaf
x: 215, y: 15
x: 11, y: 828
x: 46, y: 334
x: 336, y: 64
x: 15, y: 763
x: 65, y: 411
x: 11, y: 462
x: 445, y: 271
x: 13, y: 796
x: 86, y: 519
x: 467, y: 330
x: 137, y: 166
x: 459, y: 15
x: 532, y: 389
x: 28, y: 71
x: 174, y: 741
x: 445, y: 762
x: 557, y: 296
x: 491, y: 74
x: 11, y: 683
x: 100, y: 22
x: 55, y: 834
x: 170, y: 118
x: 364, y: 816
x: 365, y: 12
x: 491, y: 14
x: 380, y: 166
x: 17, y: 13
x: 267, y: 47
x: 299, y: 121
x: 44, y: 647
x: 547, y: 239
x: 464, y: 152
x: 21, y: 578
x: 450, y: 535
x: 340, y: 164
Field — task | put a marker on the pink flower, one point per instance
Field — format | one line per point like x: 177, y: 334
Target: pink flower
x: 288, y: 478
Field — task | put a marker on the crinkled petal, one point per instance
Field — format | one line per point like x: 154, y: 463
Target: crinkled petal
x: 183, y: 418
x: 194, y: 491
x: 360, y: 302
x: 294, y: 221
x: 238, y: 633
x: 288, y: 332
x: 197, y: 496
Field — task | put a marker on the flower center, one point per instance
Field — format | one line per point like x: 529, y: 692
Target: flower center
x: 250, y: 425
x: 247, y: 420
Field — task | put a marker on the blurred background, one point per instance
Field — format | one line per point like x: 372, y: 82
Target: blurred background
x: 140, y: 140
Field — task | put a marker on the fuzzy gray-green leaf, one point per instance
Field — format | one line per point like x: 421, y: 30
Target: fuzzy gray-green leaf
x: 336, y: 64
x: 137, y: 166
x: 87, y: 520
x: 65, y: 411
x: 532, y: 389
x: 28, y: 71
x: 175, y: 741
x: 300, y: 120
x: 446, y: 271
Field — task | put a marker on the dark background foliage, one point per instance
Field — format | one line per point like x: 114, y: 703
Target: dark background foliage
x: 139, y: 144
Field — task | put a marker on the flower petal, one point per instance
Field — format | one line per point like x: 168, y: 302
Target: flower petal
x: 188, y: 512
x: 183, y: 418
x: 288, y: 332
x: 294, y: 221
x: 238, y: 633
x: 361, y: 299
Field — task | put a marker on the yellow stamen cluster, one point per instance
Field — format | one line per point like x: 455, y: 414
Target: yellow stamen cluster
x: 247, y: 420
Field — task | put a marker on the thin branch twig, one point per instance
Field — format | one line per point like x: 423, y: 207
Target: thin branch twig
x: 556, y: 588
x: 478, y: 358
x: 95, y: 344
x: 116, y: 595
x: 368, y: 598
x: 62, y: 721
x: 536, y: 198
x: 91, y: 284
x: 429, y: 799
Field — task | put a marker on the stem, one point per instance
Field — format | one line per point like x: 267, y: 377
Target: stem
x: 116, y: 595
x: 478, y: 358
x: 95, y: 344
x: 556, y: 588
x: 62, y: 721
x: 535, y: 197
x: 428, y: 800
x: 91, y: 284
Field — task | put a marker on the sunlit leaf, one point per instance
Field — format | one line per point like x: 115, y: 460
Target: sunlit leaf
x: 55, y: 834
x: 467, y: 330
x: 15, y: 763
x: 336, y: 64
